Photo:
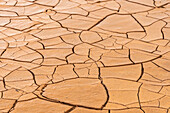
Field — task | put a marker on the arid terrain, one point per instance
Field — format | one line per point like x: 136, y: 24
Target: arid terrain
x: 84, y: 56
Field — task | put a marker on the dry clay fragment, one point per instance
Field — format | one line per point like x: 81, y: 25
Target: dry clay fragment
x: 80, y: 92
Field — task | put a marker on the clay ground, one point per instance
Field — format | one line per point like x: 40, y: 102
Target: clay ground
x: 84, y: 56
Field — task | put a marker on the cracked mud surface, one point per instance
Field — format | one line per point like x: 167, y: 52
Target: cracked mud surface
x: 84, y: 56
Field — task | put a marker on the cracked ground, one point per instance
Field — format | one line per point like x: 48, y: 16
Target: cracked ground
x: 84, y: 56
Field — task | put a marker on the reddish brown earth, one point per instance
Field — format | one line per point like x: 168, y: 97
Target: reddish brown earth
x: 84, y: 56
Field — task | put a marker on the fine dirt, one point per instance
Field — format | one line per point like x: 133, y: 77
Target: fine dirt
x: 84, y: 56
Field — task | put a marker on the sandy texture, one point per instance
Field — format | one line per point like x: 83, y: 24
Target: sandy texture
x: 84, y: 56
